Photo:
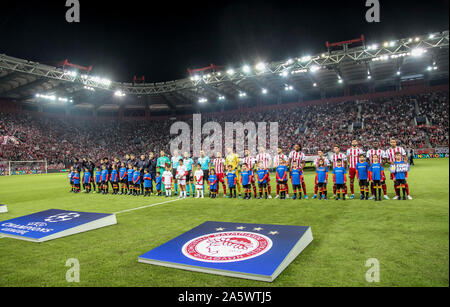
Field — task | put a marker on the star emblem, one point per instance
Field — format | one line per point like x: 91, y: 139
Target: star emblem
x: 240, y: 228
x: 258, y: 229
x: 273, y: 233
x: 220, y: 229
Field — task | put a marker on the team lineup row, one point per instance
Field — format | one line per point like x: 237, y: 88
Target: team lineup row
x: 142, y: 177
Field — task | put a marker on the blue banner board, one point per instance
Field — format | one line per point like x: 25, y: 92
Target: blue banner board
x: 251, y: 251
x: 53, y: 224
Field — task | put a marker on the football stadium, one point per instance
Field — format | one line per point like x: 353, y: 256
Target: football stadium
x: 323, y: 169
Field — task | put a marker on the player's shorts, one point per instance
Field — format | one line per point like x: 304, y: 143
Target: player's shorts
x: 352, y: 173
x: 340, y: 186
x: 205, y: 175
x: 199, y: 186
x: 125, y: 181
x: 174, y: 173
x: 321, y: 184
x: 296, y: 186
x: 168, y: 186
x: 189, y: 176
x: 221, y: 178
x: 282, y: 182
x: 104, y: 182
x: 213, y: 190
x: 399, y: 182
x: 363, y: 183
x: 246, y: 186
x: 137, y: 185
x: 182, y: 182
x: 262, y: 185
x: 376, y: 182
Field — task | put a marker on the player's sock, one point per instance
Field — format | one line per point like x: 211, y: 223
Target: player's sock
x: 278, y: 189
x: 334, y: 189
x: 269, y: 188
x: 352, y: 188
x: 254, y: 190
x: 384, y: 186
x: 407, y: 189
x: 304, y: 187
x: 316, y: 188
x: 193, y: 188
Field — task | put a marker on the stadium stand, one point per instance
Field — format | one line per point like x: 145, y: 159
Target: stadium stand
x: 32, y: 136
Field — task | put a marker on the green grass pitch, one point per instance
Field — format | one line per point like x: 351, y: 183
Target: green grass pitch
x: 410, y: 239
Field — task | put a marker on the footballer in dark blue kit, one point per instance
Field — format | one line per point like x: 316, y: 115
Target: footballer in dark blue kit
x: 213, y: 186
x: 262, y: 175
x: 362, y: 173
x: 123, y: 178
x: 232, y: 181
x: 246, y: 181
x: 296, y: 180
x: 322, y: 179
x: 340, y: 179
x: 376, y: 176
x: 130, y: 173
x: 400, y: 169
x: 87, y: 179
x: 282, y: 177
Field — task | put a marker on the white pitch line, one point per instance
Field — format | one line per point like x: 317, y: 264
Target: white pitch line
x: 149, y: 206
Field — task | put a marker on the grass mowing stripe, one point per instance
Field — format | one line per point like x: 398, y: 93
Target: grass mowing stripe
x: 145, y: 207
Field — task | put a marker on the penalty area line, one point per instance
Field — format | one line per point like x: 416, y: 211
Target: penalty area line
x: 145, y: 207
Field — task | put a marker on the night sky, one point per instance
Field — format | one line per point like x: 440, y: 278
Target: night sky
x: 161, y: 40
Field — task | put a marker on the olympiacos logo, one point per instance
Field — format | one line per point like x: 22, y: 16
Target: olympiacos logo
x: 227, y: 247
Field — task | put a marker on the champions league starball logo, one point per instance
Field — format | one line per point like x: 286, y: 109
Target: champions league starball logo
x: 227, y: 247
x: 63, y: 217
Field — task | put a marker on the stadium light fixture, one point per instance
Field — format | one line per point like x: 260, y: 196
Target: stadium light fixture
x: 221, y: 98
x: 246, y: 69
x: 369, y: 77
x: 203, y: 100
x: 288, y: 88
x: 315, y: 84
x: 260, y: 67
x: 284, y: 74
x: 242, y: 94
x: 264, y: 91
x: 399, y: 73
x: 119, y: 93
x: 230, y: 72
x: 305, y: 59
x: 431, y: 36
x: 416, y: 52
x: 314, y: 68
x: 417, y: 39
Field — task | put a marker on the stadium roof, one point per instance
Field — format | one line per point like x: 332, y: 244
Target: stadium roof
x: 369, y: 64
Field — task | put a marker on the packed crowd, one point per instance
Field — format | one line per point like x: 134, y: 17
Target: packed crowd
x: 314, y: 126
